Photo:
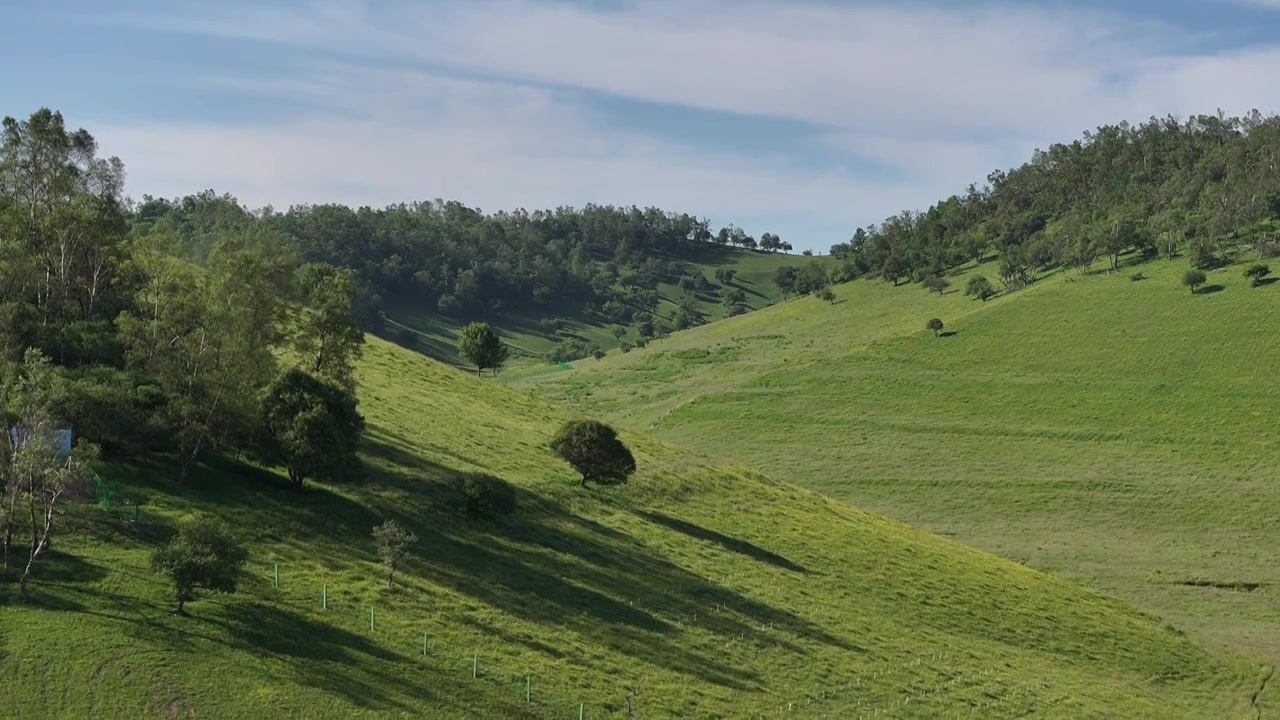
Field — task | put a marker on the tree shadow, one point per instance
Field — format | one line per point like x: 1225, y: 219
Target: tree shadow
x: 1210, y: 289
x: 730, y: 543
x: 947, y: 333
x: 1266, y: 281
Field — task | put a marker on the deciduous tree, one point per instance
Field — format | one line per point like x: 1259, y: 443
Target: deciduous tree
x: 594, y: 450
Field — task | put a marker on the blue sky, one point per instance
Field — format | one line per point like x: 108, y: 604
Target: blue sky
x: 806, y: 118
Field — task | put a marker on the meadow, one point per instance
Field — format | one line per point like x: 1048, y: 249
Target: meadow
x: 1114, y: 432
x: 701, y: 589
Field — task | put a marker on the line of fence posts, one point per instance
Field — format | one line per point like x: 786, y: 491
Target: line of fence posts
x: 528, y: 679
x: 426, y: 640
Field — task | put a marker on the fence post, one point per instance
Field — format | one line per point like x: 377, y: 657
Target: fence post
x: 370, y: 619
x: 276, y: 579
x: 475, y: 666
x: 424, y: 644
x: 324, y: 597
x: 528, y: 695
x: 581, y: 709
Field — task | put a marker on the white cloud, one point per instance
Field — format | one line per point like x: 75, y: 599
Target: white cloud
x: 942, y: 95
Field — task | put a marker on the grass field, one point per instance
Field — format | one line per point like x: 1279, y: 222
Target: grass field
x: 699, y: 591
x: 436, y: 334
x: 1114, y: 432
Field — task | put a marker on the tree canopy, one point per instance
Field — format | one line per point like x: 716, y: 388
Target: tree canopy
x: 594, y: 450
x: 482, y: 347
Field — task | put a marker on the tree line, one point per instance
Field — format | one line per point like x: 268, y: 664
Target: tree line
x: 1203, y: 187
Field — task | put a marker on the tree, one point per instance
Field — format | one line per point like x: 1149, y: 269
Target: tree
x: 594, y: 450
x: 393, y: 542
x: 1256, y: 272
x: 828, y: 295
x: 619, y: 332
x: 482, y: 347
x: 37, y: 469
x: 203, y: 556
x: 312, y: 427
x: 934, y: 324
x: 329, y: 336
x: 725, y: 276
x: 937, y: 284
x: 784, y: 278
x: 1193, y: 279
x: 979, y: 287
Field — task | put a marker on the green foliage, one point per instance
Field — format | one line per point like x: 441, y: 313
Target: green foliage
x: 570, y: 350
x: 785, y: 278
x: 203, y: 556
x: 393, y: 543
x: 1193, y: 279
x: 826, y: 294
x: 312, y: 428
x: 482, y: 347
x: 598, y: 354
x: 979, y: 287
x: 934, y: 324
x: 594, y: 450
x: 1257, y: 273
x: 936, y: 284
x: 329, y: 337
x: 486, y: 496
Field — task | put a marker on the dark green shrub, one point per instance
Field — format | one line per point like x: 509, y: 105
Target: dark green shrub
x: 485, y: 496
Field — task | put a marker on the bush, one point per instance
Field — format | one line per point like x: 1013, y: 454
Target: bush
x: 1256, y: 272
x: 448, y: 305
x: 570, y: 350
x: 1136, y: 277
x: 598, y: 354
x: 936, y: 284
x: 485, y: 496
x: 934, y: 324
x: 625, y: 347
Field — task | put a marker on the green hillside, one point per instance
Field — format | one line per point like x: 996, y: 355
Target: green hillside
x: 421, y: 327
x: 697, y: 590
x: 1111, y: 431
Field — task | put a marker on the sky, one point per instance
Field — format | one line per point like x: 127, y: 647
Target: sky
x: 806, y: 118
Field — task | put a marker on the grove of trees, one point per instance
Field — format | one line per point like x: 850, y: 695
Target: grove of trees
x: 1204, y: 187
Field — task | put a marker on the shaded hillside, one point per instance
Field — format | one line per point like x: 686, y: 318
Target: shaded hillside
x: 1113, y: 431
x: 698, y: 591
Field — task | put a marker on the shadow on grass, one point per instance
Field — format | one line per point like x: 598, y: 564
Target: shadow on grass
x: 1266, y: 281
x: 1210, y: 289
x: 947, y: 333
x: 729, y: 543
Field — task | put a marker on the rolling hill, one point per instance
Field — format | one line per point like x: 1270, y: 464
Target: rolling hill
x: 425, y: 329
x: 702, y: 589
x: 1115, y: 432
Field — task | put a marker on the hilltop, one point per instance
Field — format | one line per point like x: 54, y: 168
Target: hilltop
x: 700, y: 589
x: 1109, y: 430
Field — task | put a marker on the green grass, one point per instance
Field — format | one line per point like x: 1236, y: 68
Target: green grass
x: 436, y: 334
x: 1117, y: 433
x: 709, y: 590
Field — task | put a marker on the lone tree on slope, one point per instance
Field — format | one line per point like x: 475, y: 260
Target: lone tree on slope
x: 934, y: 324
x: 979, y: 287
x: 828, y: 295
x: 203, y: 556
x: 1256, y: 272
x: 1194, y: 279
x: 393, y: 542
x: 595, y: 451
x: 482, y: 347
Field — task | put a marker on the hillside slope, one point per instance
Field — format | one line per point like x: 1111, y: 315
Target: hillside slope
x: 424, y: 328
x: 1116, y: 432
x: 696, y: 591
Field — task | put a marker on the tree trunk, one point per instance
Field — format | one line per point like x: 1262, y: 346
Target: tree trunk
x: 584, y: 481
x: 391, y: 577
x: 180, y: 610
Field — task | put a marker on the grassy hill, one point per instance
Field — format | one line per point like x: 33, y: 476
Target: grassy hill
x: 1116, y: 432
x: 699, y: 590
x: 436, y: 334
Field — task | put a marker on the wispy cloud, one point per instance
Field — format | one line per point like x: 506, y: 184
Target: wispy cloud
x: 494, y: 101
